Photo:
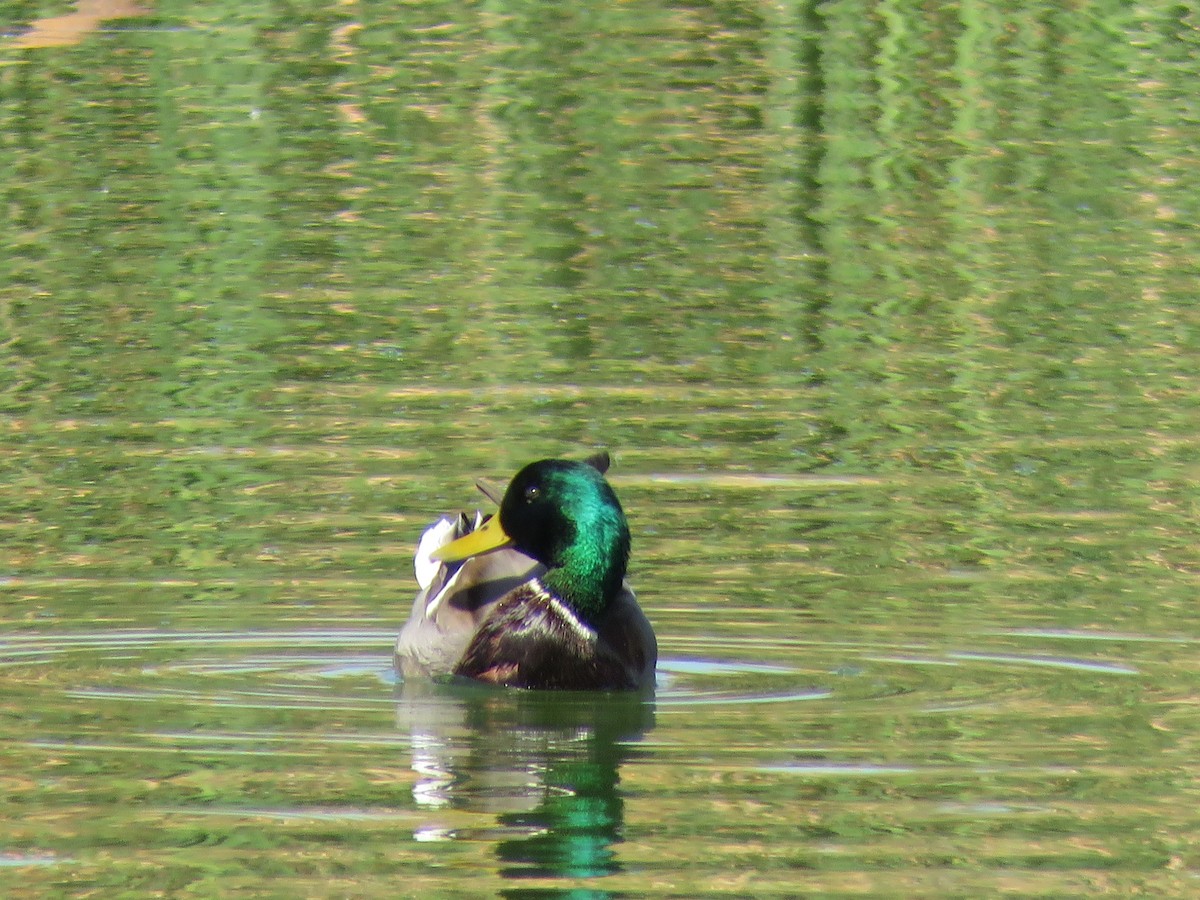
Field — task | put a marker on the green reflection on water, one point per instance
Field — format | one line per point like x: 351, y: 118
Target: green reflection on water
x: 547, y: 764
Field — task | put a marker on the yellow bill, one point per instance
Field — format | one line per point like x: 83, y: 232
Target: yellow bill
x: 489, y: 536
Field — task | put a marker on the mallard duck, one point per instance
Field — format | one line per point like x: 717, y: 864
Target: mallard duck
x: 534, y: 596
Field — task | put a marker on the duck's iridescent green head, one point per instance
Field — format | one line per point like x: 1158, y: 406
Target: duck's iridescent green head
x: 565, y: 515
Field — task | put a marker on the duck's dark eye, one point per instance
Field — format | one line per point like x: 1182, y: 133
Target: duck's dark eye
x: 532, y: 493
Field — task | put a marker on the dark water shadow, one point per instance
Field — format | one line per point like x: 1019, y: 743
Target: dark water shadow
x: 546, y: 766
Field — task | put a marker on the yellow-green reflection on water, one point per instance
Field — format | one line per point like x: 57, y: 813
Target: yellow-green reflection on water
x: 886, y: 313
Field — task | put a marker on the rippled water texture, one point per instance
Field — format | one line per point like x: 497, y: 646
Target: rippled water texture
x: 886, y: 314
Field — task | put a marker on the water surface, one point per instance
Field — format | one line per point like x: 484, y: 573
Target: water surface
x: 886, y: 314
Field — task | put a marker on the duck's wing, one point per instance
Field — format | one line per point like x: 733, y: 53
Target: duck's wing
x: 453, y: 598
x: 491, y: 490
x: 531, y: 639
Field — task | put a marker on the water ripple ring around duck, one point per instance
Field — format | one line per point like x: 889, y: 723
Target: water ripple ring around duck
x: 336, y: 668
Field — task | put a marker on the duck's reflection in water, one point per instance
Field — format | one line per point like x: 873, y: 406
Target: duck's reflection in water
x: 545, y: 764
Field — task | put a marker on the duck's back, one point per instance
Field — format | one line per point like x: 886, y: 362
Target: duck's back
x: 447, y: 613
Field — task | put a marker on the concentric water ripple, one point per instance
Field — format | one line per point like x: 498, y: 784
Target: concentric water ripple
x: 341, y: 668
